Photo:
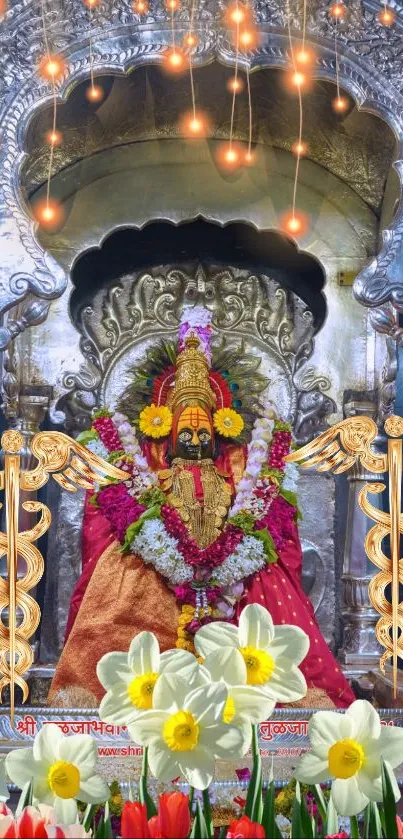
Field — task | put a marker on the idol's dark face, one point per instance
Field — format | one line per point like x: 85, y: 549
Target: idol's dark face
x: 194, y: 435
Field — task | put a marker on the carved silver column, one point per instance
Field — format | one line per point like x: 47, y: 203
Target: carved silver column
x: 360, y: 651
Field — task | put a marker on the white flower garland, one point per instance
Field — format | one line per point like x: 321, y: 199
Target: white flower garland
x: 156, y: 547
x: 258, y: 453
x: 248, y: 558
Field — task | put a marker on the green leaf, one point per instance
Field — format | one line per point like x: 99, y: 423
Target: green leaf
x: 207, y: 812
x: 306, y: 820
x: 144, y: 795
x: 87, y: 436
x: 291, y: 498
x: 297, y: 831
x: 254, y: 803
x: 320, y: 801
x: 354, y: 829
x: 89, y: 814
x: 373, y: 827
x: 104, y: 828
x: 25, y: 799
x: 199, y: 829
x: 332, y: 819
x: 389, y: 803
x: 269, y: 823
x: 268, y: 544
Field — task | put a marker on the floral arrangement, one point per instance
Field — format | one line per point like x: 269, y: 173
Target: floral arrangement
x: 259, y: 521
x: 188, y: 714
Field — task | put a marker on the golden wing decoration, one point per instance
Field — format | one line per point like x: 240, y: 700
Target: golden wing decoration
x: 341, y: 446
x: 71, y: 464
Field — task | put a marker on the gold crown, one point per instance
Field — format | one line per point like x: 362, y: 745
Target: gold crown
x: 192, y: 385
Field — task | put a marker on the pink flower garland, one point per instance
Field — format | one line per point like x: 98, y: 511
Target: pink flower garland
x: 279, y: 522
x: 279, y: 449
x: 106, y: 430
x: 206, y: 558
x: 119, y: 508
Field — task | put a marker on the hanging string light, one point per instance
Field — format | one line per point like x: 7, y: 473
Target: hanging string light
x: 94, y: 92
x: 174, y: 58
x: 386, y: 16
x: 294, y: 221
x: 48, y: 212
x: 193, y: 123
x: 338, y: 12
x: 229, y: 155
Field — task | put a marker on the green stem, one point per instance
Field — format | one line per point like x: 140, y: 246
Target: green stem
x: 255, y: 743
x: 191, y: 797
x: 207, y: 812
x: 144, y: 765
x: 355, y: 831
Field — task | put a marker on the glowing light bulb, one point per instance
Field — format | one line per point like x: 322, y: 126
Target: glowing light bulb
x: 94, y: 93
x: 299, y: 148
x: 235, y: 84
x: 248, y: 39
x: 3, y: 7
x: 191, y: 40
x: 54, y: 138
x: 172, y: 5
x: 249, y: 158
x: 140, y: 7
x: 295, y: 223
x: 174, y: 61
x: 51, y: 67
x: 229, y: 155
x: 91, y: 4
x: 194, y: 124
x: 337, y: 10
x: 304, y: 57
x: 298, y: 79
x: 237, y: 15
x: 48, y: 213
x: 387, y: 16
x: 340, y: 104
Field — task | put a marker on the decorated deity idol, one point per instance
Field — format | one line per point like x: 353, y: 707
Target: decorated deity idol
x: 206, y: 522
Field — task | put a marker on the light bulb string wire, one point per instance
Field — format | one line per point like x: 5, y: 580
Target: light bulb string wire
x: 250, y: 110
x: 336, y: 56
x: 192, y: 86
x: 91, y: 51
x: 173, y: 30
x: 294, y: 65
x: 235, y: 78
x: 54, y: 106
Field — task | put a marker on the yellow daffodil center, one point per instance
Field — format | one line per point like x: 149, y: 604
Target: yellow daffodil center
x: 259, y: 665
x: 181, y: 732
x: 141, y: 690
x: 64, y: 779
x: 229, y: 710
x: 345, y: 758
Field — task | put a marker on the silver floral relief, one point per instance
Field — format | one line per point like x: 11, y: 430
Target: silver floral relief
x: 144, y: 306
x: 370, y: 69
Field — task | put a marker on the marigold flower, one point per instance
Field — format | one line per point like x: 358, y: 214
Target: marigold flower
x: 228, y: 422
x: 155, y: 421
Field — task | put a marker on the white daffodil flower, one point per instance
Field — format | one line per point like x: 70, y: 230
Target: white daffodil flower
x: 4, y: 793
x: 246, y: 705
x: 130, y: 678
x: 62, y: 769
x: 185, y: 732
x: 271, y: 653
x: 349, y: 748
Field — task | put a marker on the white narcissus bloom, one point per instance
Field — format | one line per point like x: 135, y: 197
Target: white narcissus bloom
x: 270, y: 653
x: 185, y: 732
x: 246, y: 705
x: 130, y: 678
x: 4, y: 793
x: 349, y: 748
x: 62, y: 769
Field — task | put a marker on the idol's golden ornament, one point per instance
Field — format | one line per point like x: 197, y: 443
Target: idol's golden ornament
x: 337, y: 450
x: 72, y: 466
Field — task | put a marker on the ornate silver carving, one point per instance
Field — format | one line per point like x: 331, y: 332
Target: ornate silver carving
x: 243, y: 304
x: 370, y: 69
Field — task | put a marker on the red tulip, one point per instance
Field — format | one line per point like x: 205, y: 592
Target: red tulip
x: 341, y: 835
x: 134, y: 824
x: 243, y: 828
x: 399, y: 827
x: 173, y: 820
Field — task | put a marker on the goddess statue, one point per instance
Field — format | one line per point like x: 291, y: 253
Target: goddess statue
x: 205, y: 523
